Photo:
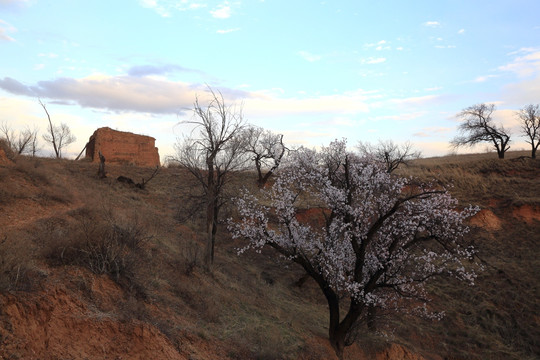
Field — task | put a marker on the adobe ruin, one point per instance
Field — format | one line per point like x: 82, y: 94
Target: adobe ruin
x: 120, y: 147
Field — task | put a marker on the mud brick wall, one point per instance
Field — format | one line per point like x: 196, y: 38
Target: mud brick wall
x: 121, y: 147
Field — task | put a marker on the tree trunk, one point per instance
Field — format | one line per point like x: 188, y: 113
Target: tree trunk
x: 78, y: 156
x: 209, y: 256
x: 264, y: 179
x: 371, y: 321
x: 259, y: 172
x: 340, y: 336
x: 210, y: 213
x: 533, y: 153
x: 214, y: 229
x: 101, y: 170
x: 335, y: 334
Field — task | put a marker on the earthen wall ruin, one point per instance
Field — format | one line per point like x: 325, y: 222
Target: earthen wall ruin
x: 121, y: 147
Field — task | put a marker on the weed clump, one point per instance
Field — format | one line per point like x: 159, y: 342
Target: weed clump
x: 100, y: 243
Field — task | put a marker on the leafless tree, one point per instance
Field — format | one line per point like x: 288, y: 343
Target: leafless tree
x: 530, y: 124
x: 7, y: 133
x: 58, y: 136
x: 478, y: 126
x: 392, y: 154
x: 25, y: 142
x: 214, y: 149
x: 266, y: 150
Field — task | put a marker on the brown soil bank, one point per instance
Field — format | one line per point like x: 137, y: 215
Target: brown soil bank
x: 166, y: 306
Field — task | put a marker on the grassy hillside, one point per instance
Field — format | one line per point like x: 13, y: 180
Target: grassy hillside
x: 121, y: 267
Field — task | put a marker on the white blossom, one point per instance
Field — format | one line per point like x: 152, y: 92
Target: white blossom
x: 383, y: 236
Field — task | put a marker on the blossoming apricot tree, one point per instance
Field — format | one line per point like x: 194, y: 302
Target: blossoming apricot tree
x: 384, y: 236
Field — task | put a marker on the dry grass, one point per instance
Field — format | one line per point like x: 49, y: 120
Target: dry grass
x: 492, y: 319
x: 480, y: 178
x: 250, y: 304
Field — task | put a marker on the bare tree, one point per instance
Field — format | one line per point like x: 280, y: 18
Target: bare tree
x: 478, y: 126
x: 7, y: 133
x: 25, y: 142
x: 58, y: 136
x: 214, y: 149
x: 266, y: 150
x: 390, y: 153
x: 530, y: 124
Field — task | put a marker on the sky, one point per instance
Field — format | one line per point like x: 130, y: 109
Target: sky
x: 312, y: 70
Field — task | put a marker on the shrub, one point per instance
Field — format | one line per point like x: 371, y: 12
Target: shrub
x: 4, y: 145
x: 101, y: 244
x: 16, y: 270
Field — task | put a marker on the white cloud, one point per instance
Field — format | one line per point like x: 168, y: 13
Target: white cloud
x: 484, y: 78
x: 156, y: 6
x: 223, y: 11
x: 12, y: 4
x: 380, y: 45
x: 417, y: 100
x: 526, y: 65
x: 461, y: 31
x: 507, y: 118
x: 165, y: 8
x: 227, y: 31
x: 5, y: 29
x: 263, y: 105
x: 433, y: 148
x: 433, y: 131
x: 305, y: 137
x: 309, y: 56
x: 118, y: 93
x: 523, y: 92
x: 432, y: 24
x: 401, y: 117
x: 527, y: 68
x: 372, y: 60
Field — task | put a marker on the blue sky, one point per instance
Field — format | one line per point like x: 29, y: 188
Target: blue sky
x: 312, y: 70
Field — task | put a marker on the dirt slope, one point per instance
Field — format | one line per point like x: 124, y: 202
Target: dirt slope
x: 166, y: 307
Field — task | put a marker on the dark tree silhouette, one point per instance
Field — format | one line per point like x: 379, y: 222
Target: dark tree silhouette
x: 266, y: 150
x: 530, y: 125
x: 477, y: 126
x: 390, y: 153
x: 214, y: 149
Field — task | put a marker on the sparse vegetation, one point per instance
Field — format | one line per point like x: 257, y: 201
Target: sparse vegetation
x: 97, y: 241
x: 248, y: 307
